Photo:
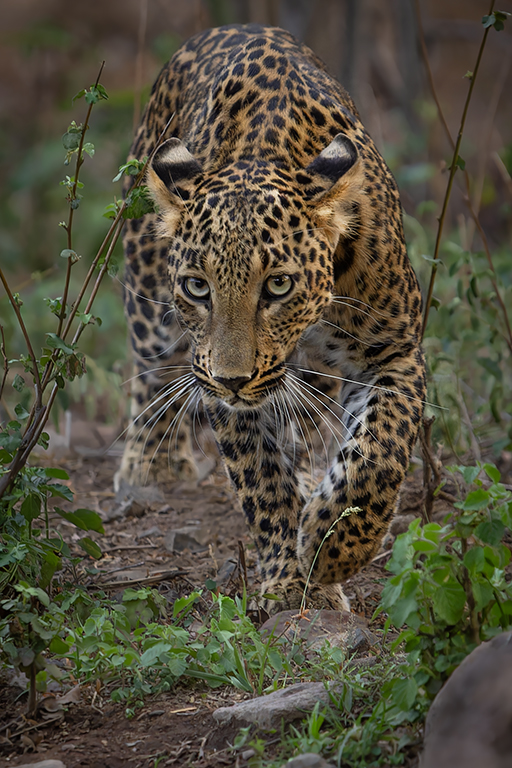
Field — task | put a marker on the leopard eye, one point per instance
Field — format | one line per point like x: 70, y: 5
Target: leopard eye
x: 278, y: 286
x: 196, y: 288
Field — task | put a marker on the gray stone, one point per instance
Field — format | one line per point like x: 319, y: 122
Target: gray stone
x: 153, y: 531
x: 308, y: 760
x: 180, y: 539
x: 288, y: 703
x: 469, y: 725
x: 226, y: 570
x: 342, y: 629
x: 43, y: 764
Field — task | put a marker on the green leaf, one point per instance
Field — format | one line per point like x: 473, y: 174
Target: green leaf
x: 468, y: 473
x: 50, y: 564
x: 177, y: 665
x: 483, y: 594
x: 492, y: 472
x: 60, y: 491
x: 138, y: 203
x: 59, y: 647
x: 490, y: 532
x: 31, y: 507
x: 44, y: 440
x: 424, y: 546
x: 68, y: 253
x: 95, y: 94
x: 474, y: 560
x: 55, y: 472
x: 404, y: 692
x: 71, y: 141
x: 476, y: 500
x: 449, y: 602
x: 55, y: 342
x: 85, y: 519
x: 18, y: 383
x: 90, y: 546
x: 78, y: 95
x: 20, y: 411
x: 153, y: 654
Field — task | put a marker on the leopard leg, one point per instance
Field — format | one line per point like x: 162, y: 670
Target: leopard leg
x: 268, y: 480
x: 344, y: 521
x: 163, y: 392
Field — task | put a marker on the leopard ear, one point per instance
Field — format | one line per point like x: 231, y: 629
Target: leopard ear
x: 334, y: 161
x: 171, y: 179
x: 341, y: 165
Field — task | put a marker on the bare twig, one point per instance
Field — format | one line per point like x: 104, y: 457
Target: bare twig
x: 139, y: 62
x: 432, y: 467
x: 33, y: 359
x: 69, y: 226
x: 3, y: 352
x: 453, y: 166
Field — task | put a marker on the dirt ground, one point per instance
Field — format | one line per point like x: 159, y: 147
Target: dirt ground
x: 173, y: 537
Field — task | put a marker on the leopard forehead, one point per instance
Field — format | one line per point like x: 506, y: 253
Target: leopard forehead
x: 258, y: 229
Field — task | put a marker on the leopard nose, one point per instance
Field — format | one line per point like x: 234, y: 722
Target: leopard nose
x: 233, y: 384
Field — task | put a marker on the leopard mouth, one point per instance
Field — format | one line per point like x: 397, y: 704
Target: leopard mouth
x: 245, y: 398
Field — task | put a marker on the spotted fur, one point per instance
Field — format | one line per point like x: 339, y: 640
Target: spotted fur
x: 292, y: 297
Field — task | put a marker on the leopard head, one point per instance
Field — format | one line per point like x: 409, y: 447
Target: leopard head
x: 252, y: 247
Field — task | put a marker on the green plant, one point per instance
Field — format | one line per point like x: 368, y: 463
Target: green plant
x: 367, y: 723
x: 468, y: 340
x: 450, y: 588
x: 30, y: 553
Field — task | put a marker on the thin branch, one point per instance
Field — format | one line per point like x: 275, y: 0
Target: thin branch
x: 17, y: 312
x: 467, y: 197
x: 3, y: 352
x: 453, y: 168
x: 34, y: 429
x: 69, y: 226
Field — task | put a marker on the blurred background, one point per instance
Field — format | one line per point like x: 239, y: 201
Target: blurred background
x: 51, y: 49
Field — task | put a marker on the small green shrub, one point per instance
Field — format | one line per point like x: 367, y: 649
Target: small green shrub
x: 450, y: 588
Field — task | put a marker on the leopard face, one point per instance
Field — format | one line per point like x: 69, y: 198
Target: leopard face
x: 250, y: 262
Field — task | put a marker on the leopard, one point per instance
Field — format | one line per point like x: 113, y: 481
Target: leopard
x: 272, y: 289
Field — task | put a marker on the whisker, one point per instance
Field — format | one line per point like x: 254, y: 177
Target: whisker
x: 179, y: 384
x: 344, y: 299
x: 161, y: 368
x: 350, y: 414
x: 169, y: 430
x: 370, y: 386
x: 167, y: 349
x: 304, y: 394
x: 299, y: 418
x: 312, y: 420
x: 141, y: 295
x: 284, y: 404
x: 350, y: 335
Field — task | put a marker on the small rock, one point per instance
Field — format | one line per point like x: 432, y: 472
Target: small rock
x: 126, y: 508
x: 308, y: 760
x: 400, y: 524
x: 153, y: 531
x: 226, y: 570
x: 44, y: 764
x: 288, y: 703
x: 468, y: 725
x: 341, y: 628
x: 181, y: 538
